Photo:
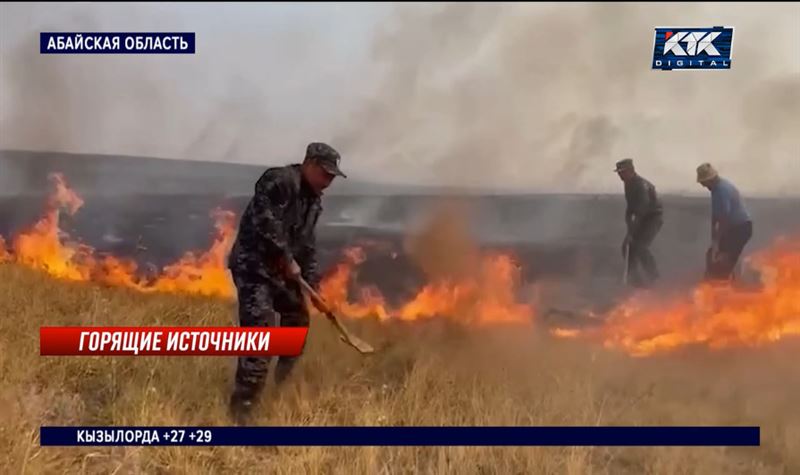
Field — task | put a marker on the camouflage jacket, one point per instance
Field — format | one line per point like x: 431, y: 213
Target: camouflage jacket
x: 642, y: 200
x: 278, y: 225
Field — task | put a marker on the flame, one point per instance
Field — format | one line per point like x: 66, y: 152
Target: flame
x: 466, y: 283
x: 47, y: 248
x: 207, y: 273
x: 335, y: 289
x: 42, y: 248
x: 565, y: 332
x: 5, y: 256
x: 717, y: 315
x: 463, y: 285
x: 487, y: 297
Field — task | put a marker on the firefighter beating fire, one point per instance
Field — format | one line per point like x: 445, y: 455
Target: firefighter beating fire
x: 273, y: 258
x: 273, y: 264
x: 731, y: 226
x: 273, y: 255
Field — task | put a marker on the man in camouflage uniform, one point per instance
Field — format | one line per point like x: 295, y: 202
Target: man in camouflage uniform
x: 274, y: 245
x: 643, y: 217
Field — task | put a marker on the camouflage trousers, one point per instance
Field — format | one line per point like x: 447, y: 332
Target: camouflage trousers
x: 262, y: 304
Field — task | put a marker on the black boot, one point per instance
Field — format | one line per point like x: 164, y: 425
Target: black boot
x: 241, y: 405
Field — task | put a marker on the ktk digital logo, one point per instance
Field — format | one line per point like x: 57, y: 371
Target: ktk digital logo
x: 693, y: 48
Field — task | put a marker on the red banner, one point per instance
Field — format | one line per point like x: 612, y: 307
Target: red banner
x: 171, y: 341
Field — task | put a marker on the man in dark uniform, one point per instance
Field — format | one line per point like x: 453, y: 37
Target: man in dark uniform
x: 274, y: 245
x: 643, y: 216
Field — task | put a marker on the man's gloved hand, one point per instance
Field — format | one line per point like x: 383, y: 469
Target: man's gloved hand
x: 293, y: 271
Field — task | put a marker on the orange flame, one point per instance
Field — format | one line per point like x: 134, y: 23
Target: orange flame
x: 5, y: 256
x: 464, y: 284
x: 42, y: 248
x: 565, y: 332
x: 334, y: 289
x: 207, y: 273
x: 47, y: 248
x: 715, y: 315
x: 482, y: 293
x: 489, y: 297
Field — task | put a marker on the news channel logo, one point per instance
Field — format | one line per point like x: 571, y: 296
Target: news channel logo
x: 693, y: 48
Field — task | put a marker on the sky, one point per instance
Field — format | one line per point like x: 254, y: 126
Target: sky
x: 529, y: 97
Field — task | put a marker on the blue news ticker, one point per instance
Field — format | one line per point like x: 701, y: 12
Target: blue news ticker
x: 402, y: 436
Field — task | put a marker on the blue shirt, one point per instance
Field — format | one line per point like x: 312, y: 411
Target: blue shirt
x: 726, y: 205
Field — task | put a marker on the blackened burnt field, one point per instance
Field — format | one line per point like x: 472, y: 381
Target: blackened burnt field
x: 565, y: 238
x: 154, y: 210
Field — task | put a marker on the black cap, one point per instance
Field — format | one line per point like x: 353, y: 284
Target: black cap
x: 326, y: 156
x: 624, y: 164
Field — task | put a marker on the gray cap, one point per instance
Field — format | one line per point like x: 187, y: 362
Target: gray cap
x: 624, y: 164
x: 326, y: 156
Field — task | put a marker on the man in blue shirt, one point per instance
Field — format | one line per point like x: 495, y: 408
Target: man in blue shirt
x: 731, y: 226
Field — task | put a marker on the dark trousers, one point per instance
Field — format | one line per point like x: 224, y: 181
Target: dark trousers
x: 639, y: 254
x: 731, y: 245
x: 262, y: 304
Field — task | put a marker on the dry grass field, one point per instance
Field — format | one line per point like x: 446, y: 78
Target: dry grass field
x: 426, y: 374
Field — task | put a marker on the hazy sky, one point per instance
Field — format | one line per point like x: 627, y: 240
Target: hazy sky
x: 527, y: 96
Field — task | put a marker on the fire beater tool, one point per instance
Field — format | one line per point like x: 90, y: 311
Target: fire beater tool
x: 627, y: 258
x: 352, y: 340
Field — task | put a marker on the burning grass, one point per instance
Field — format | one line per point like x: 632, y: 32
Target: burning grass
x: 717, y: 315
x: 482, y: 289
x: 430, y: 372
x: 462, y: 350
x: 465, y: 284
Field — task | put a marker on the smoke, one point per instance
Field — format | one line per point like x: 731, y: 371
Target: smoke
x: 443, y: 246
x: 548, y: 97
x: 536, y: 97
x: 260, y: 87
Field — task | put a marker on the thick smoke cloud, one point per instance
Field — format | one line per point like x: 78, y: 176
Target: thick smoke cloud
x: 265, y: 78
x: 531, y: 97
x: 544, y: 97
x: 442, y: 245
